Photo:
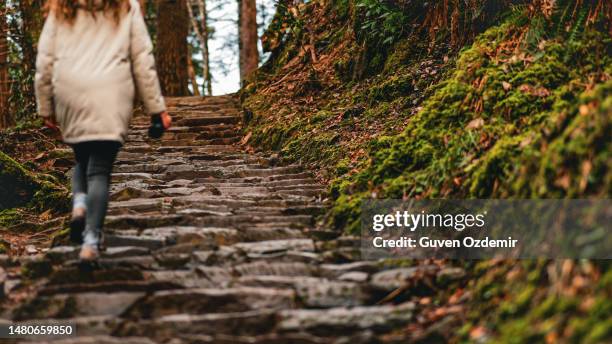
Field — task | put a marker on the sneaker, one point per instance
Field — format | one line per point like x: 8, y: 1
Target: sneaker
x: 89, y: 253
x: 77, y: 225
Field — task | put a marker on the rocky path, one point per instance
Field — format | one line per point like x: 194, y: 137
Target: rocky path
x: 208, y: 244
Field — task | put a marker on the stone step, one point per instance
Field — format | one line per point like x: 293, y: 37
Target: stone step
x: 199, y: 141
x: 345, y: 321
x: 236, y: 220
x: 61, y: 254
x: 203, y: 301
x: 143, y: 221
x: 208, y: 243
x: 270, y: 246
x: 99, y: 339
x: 77, y: 305
x: 87, y: 326
x: 165, y: 328
x: 204, y: 120
x: 271, y: 338
x: 313, y: 292
x: 110, y: 287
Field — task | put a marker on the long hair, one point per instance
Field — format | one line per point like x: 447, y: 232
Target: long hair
x: 66, y: 10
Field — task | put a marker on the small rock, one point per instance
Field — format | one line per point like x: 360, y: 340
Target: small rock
x: 277, y: 245
x: 338, y: 321
x: 31, y: 249
x: 390, y: 280
x: 354, y: 276
x: 323, y: 293
x: 450, y: 274
x: 62, y: 253
x: 125, y: 251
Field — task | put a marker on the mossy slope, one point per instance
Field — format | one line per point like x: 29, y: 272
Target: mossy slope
x: 523, y: 111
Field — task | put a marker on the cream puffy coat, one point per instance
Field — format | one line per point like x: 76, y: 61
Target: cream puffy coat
x: 87, y: 72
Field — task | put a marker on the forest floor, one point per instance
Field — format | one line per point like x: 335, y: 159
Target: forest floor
x: 208, y: 243
x: 31, y: 228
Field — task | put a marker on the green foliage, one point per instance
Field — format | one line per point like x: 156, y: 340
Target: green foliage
x: 380, y: 23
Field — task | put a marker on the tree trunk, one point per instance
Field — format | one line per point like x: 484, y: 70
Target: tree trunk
x: 249, y: 56
x: 31, y: 27
x: 192, y: 76
x: 32, y: 23
x: 6, y: 119
x: 201, y: 31
x: 171, y: 50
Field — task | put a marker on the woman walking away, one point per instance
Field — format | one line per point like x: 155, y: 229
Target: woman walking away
x: 92, y: 55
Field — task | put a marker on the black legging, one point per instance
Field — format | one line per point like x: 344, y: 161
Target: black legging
x: 92, y: 177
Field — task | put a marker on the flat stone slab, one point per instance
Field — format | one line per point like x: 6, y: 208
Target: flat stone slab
x: 165, y: 328
x: 390, y: 280
x: 277, y: 245
x: 97, y: 340
x: 202, y: 301
x: 77, y: 305
x: 339, y: 321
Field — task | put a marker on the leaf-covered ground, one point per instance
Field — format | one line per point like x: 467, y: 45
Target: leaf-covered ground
x: 36, y: 214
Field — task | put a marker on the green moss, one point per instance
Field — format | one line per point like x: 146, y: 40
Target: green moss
x: 4, y: 247
x: 499, y: 121
x: 495, y: 125
x: 15, y: 181
x: 9, y: 217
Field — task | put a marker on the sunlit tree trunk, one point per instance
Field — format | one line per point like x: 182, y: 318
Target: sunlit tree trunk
x: 201, y: 31
x: 171, y: 50
x: 249, y: 56
x: 6, y: 119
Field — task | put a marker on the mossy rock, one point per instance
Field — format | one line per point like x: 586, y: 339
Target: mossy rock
x: 16, y: 183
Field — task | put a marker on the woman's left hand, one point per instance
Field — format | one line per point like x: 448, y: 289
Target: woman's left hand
x: 51, y: 123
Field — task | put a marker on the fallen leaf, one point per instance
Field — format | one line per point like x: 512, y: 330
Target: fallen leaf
x: 586, y: 171
x: 506, y: 85
x: 584, y: 110
x: 552, y: 337
x: 534, y: 91
x: 246, y: 138
x: 46, y: 215
x: 457, y: 181
x: 478, y: 332
x: 563, y: 181
x: 425, y: 301
x: 475, y: 123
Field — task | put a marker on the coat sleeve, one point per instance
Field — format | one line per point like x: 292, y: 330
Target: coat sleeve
x: 143, y: 63
x: 43, y: 80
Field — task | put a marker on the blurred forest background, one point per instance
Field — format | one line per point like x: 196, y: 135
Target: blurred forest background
x: 388, y: 99
x: 207, y: 29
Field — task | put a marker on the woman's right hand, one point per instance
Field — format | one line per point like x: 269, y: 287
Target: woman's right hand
x: 159, y: 123
x: 166, y: 119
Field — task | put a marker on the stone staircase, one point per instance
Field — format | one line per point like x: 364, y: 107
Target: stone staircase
x: 206, y: 243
